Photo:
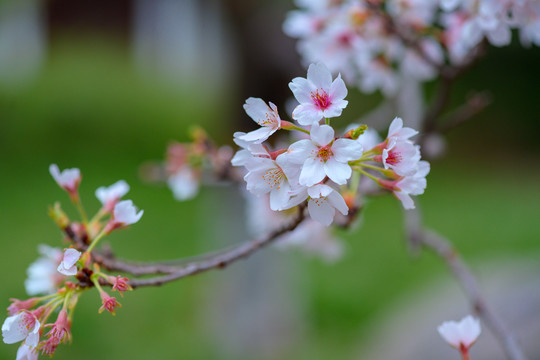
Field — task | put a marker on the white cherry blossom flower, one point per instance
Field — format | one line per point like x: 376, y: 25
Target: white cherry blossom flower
x: 42, y: 275
x: 108, y: 196
x: 184, y: 183
x: 266, y: 116
x: 321, y: 156
x: 318, y: 95
x: 323, y: 203
x: 68, y: 179
x: 23, y: 326
x: 26, y: 352
x: 68, y: 265
x: 412, y: 185
x: 125, y: 213
x: 276, y: 177
x: 463, y: 333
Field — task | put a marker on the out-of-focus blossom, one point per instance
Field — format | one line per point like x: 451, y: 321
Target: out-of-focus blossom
x: 68, y: 179
x: 109, y: 196
x: 460, y: 334
x: 43, y: 277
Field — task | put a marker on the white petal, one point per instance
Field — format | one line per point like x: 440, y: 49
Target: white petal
x: 279, y: 197
x: 319, y: 76
x: 307, y: 114
x: 13, y: 329
x: 258, y: 135
x: 322, y: 135
x: 337, y: 201
x: 347, y: 150
x: 301, y: 90
x: 299, y: 151
x: 338, y: 90
x: 71, y: 271
x: 321, y: 211
x: 338, y: 172
x: 26, y: 352
x: 395, y: 126
x: 406, y: 200
x: 312, y: 172
x: 33, y: 337
x: 319, y: 190
x: 71, y: 256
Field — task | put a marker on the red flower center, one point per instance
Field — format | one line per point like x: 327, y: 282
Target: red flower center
x: 320, y: 99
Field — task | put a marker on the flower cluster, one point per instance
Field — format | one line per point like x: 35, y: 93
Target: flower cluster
x: 374, y: 43
x: 62, y: 276
x: 324, y: 169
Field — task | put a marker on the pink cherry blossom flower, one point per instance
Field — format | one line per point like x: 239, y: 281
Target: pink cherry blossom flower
x: 68, y: 179
x: 68, y: 265
x: 26, y: 352
x: 400, y: 156
x: 267, y: 117
x: 23, y: 326
x: 323, y: 203
x: 322, y: 156
x: 318, y: 95
x: 460, y: 335
x: 109, y: 196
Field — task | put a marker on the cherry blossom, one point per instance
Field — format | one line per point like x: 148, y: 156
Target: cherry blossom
x: 460, y: 334
x: 109, y: 196
x: 323, y: 156
x: 68, y: 265
x: 276, y: 177
x: 43, y: 277
x: 125, y: 213
x: 400, y: 133
x: 68, y: 179
x: 266, y: 116
x: 23, y: 326
x: 318, y: 95
x: 401, y: 156
x: 184, y: 183
x: 323, y: 203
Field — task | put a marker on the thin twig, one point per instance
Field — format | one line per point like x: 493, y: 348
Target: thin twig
x: 443, y: 248
x: 221, y: 261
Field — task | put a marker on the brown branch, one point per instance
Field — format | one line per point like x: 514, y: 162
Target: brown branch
x: 221, y: 261
x: 443, y: 248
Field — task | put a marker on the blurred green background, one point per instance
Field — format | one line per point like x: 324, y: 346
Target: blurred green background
x: 89, y: 105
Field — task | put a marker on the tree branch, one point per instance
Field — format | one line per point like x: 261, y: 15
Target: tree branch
x: 443, y: 248
x: 221, y: 261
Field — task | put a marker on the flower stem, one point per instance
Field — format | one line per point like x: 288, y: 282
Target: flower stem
x: 78, y: 204
x: 327, y: 121
x: 95, y: 241
x: 374, y: 178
